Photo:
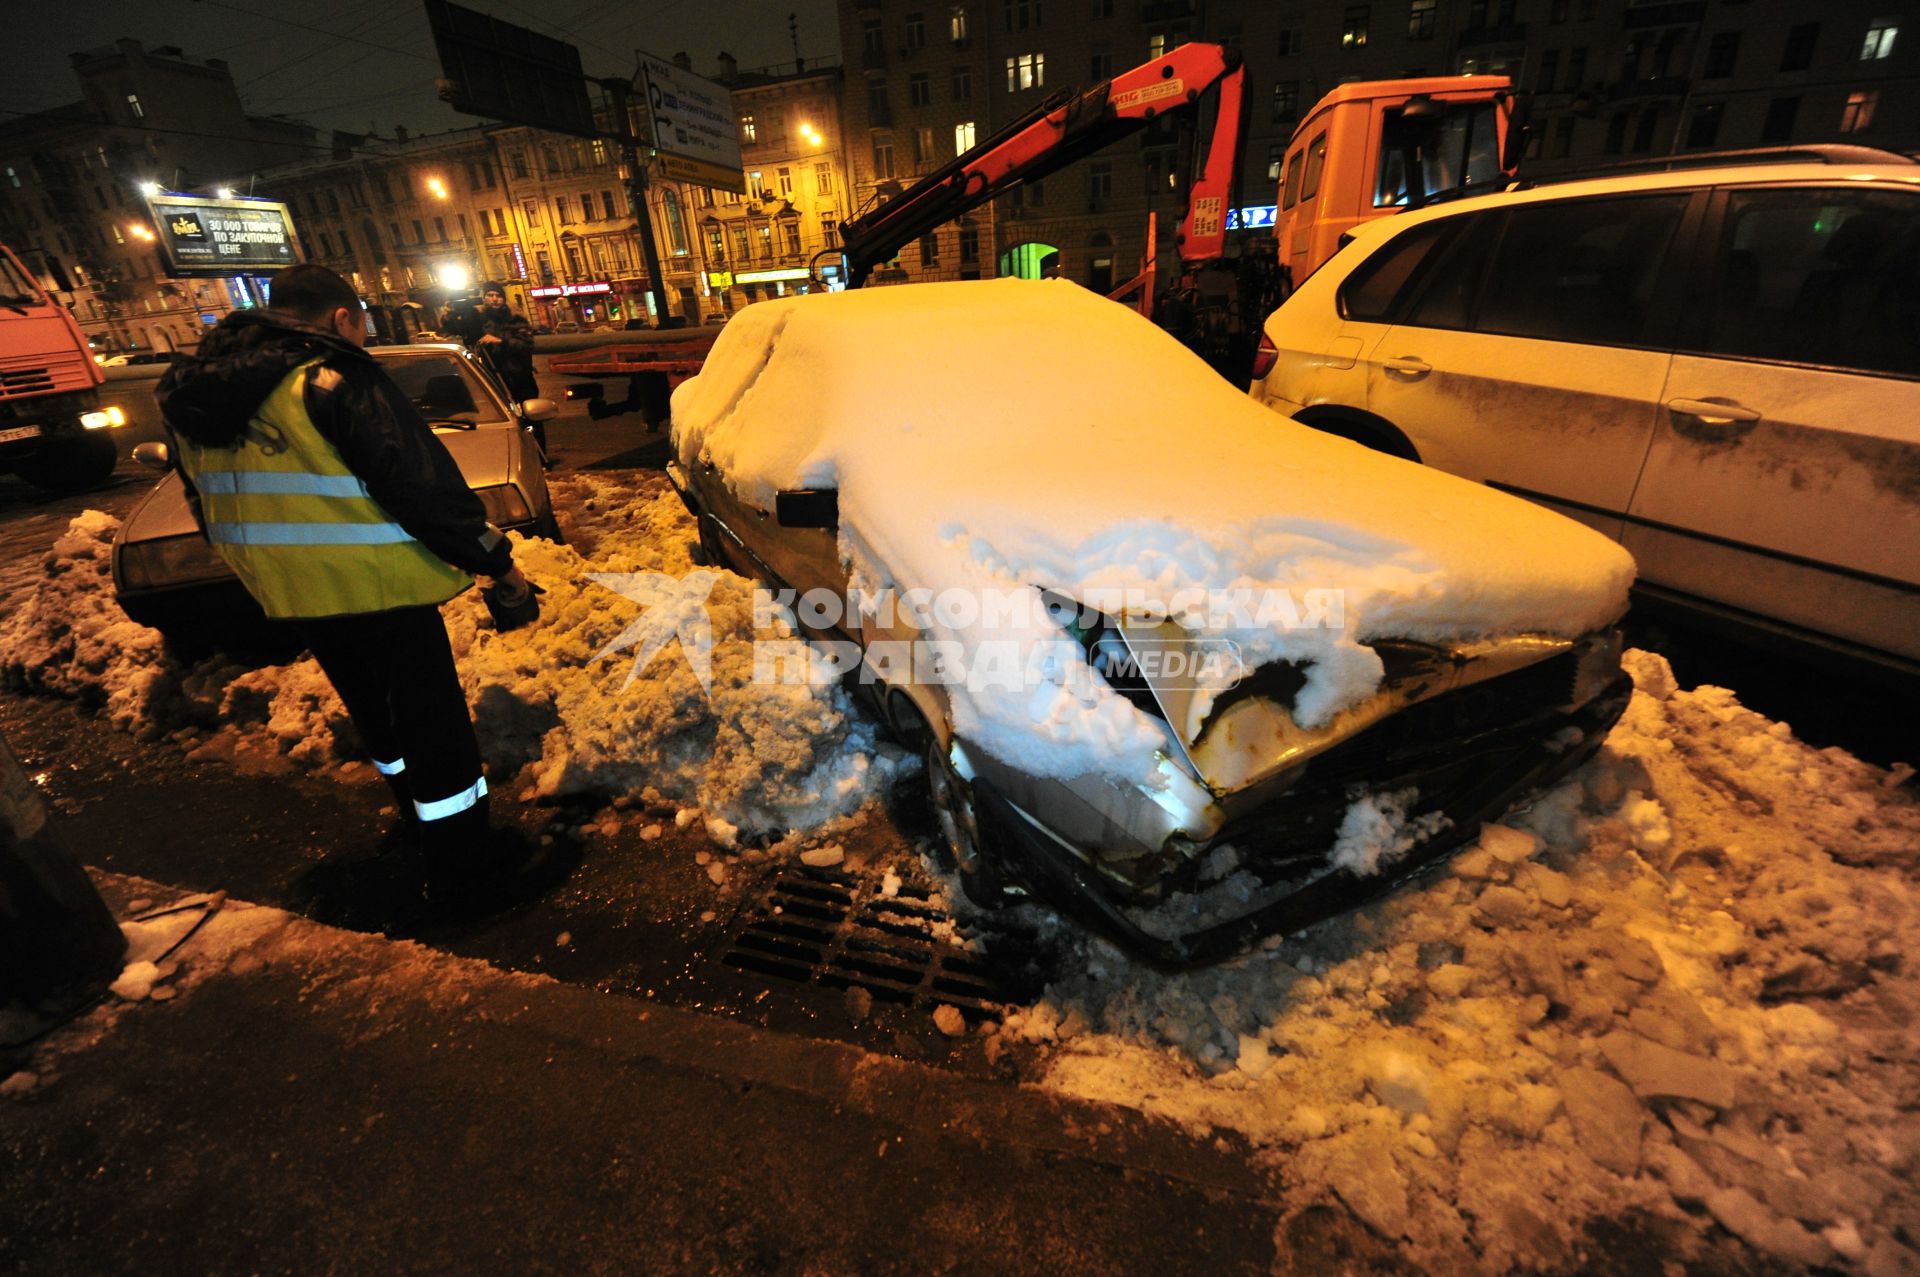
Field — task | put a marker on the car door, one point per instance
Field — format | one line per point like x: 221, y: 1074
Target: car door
x: 1784, y: 476
x: 1532, y: 355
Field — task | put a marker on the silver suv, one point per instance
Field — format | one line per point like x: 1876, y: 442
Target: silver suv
x: 1719, y: 367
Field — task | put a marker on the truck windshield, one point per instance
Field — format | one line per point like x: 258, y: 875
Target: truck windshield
x: 1454, y: 153
x: 16, y: 288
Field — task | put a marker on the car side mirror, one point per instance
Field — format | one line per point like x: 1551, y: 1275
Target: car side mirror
x: 807, y: 508
x: 154, y: 456
x: 539, y: 410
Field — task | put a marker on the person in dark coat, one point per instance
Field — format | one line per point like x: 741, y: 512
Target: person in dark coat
x: 504, y: 336
x: 330, y: 496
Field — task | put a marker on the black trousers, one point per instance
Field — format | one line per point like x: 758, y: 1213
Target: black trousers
x: 395, y: 673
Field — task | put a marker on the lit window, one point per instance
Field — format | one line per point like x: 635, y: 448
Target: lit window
x: 957, y: 24
x: 1879, y: 41
x: 823, y: 179
x: 133, y: 104
x: 1026, y: 71
x: 1276, y: 156
x: 13, y: 178
x: 963, y: 138
x: 1353, y: 28
x: 748, y: 131
x: 1156, y: 45
x: 786, y: 182
x: 1858, y: 113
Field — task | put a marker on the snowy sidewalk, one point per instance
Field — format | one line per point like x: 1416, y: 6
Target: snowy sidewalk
x: 282, y: 1097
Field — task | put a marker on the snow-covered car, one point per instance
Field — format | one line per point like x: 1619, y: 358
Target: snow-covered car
x: 166, y: 575
x: 1718, y: 367
x: 1079, y: 499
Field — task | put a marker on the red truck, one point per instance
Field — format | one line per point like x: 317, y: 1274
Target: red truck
x: 54, y: 433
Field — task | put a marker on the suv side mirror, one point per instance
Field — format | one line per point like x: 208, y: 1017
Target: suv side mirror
x: 154, y: 456
x: 807, y: 508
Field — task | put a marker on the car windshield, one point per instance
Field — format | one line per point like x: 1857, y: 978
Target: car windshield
x: 443, y: 387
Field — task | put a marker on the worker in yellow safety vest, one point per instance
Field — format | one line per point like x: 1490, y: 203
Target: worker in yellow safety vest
x: 328, y: 494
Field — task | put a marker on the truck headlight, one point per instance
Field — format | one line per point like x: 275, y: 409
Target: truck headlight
x: 104, y: 418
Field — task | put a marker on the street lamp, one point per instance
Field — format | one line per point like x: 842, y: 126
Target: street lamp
x: 454, y: 276
x: 149, y: 188
x: 812, y: 134
x: 224, y: 192
x: 140, y: 232
x: 437, y: 187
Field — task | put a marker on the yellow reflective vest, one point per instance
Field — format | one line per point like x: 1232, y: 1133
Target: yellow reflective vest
x: 298, y: 526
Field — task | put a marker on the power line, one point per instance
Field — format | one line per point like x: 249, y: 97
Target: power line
x: 269, y: 17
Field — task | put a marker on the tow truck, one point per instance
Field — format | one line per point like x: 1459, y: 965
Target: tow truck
x: 1366, y: 150
x: 1217, y: 307
x: 54, y: 432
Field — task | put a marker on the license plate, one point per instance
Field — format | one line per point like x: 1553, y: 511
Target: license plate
x: 19, y: 432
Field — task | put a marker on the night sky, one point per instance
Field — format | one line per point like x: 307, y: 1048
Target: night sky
x: 351, y: 64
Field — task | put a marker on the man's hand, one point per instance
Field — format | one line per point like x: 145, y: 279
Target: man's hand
x: 491, y: 339
x: 511, y: 585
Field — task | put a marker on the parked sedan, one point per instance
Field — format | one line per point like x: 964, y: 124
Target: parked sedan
x: 166, y: 575
x: 1192, y: 678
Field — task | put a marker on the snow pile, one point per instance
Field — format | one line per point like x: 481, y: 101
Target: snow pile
x: 755, y: 757
x: 1102, y: 456
x: 1680, y: 983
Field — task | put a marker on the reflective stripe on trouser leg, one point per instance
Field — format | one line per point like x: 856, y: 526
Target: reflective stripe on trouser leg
x: 393, y: 768
x: 441, y: 808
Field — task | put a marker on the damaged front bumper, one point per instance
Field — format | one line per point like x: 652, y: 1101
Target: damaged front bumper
x: 1468, y: 749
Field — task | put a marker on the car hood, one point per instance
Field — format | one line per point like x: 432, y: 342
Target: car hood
x: 1013, y: 434
x: 484, y: 455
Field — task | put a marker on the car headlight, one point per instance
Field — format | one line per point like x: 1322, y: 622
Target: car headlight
x: 163, y: 564
x: 505, y: 505
x: 104, y: 418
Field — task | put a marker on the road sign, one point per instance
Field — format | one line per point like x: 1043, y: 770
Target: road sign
x: 206, y: 237
x: 504, y: 72
x: 696, y: 135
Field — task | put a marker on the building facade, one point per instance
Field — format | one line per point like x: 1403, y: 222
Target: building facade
x: 71, y: 183
x: 1613, y: 79
x: 792, y: 149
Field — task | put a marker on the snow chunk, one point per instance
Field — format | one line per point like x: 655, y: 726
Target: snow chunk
x: 1375, y: 832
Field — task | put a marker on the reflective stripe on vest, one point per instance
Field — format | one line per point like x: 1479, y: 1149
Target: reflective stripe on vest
x: 299, y: 527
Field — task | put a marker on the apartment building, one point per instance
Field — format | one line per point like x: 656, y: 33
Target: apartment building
x: 1613, y: 79
x: 71, y: 183
x: 792, y: 148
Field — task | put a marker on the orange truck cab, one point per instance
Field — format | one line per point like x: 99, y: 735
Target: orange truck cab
x: 1376, y: 147
x: 54, y: 433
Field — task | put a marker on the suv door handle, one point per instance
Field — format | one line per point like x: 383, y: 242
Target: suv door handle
x: 1410, y: 367
x: 1721, y: 413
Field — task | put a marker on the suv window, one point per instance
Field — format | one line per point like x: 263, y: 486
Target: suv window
x: 1374, y: 289
x: 1823, y: 275
x: 1579, y: 271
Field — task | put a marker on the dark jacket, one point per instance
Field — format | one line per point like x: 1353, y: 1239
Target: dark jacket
x: 512, y: 355
x: 380, y: 435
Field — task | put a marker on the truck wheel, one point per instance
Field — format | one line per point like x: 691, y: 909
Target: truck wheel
x: 74, y: 465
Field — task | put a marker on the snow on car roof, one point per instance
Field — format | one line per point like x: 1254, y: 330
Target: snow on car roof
x: 1022, y: 434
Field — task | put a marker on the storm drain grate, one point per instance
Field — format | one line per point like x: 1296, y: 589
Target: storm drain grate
x: 818, y: 927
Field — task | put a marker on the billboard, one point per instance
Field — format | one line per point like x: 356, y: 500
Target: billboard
x: 208, y: 237
x: 696, y: 135
x: 504, y: 72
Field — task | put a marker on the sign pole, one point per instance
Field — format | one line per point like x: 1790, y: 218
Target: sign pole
x: 620, y: 90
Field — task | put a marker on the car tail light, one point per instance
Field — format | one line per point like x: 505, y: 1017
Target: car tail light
x: 1264, y: 357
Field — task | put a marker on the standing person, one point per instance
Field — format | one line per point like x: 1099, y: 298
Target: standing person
x: 330, y: 496
x: 507, y: 339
